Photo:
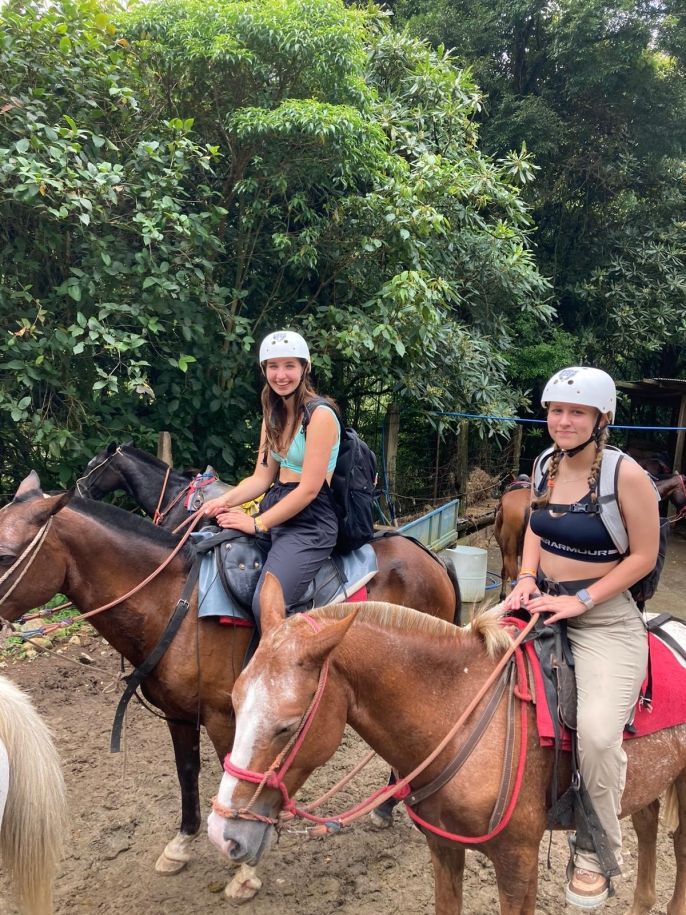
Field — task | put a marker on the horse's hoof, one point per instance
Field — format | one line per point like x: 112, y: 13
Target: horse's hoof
x: 175, y: 856
x: 380, y: 819
x: 244, y: 886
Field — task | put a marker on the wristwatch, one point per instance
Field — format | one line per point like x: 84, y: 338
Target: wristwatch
x: 585, y: 598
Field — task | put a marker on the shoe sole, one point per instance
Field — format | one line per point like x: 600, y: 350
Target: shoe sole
x: 585, y: 902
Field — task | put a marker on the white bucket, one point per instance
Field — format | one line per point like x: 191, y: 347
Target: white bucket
x: 470, y: 564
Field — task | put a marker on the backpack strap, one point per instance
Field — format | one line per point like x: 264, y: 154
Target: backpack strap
x: 312, y: 405
x: 540, y: 471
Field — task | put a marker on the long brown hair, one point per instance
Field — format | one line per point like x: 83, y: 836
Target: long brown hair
x: 278, y: 430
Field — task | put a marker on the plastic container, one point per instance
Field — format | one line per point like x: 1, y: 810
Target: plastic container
x: 470, y: 564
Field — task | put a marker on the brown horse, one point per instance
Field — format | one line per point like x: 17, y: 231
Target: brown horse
x: 511, y: 517
x: 377, y: 682
x: 94, y: 553
x: 672, y: 488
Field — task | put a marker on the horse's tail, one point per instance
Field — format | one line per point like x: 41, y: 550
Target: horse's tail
x: 34, y: 820
x: 670, y: 807
x: 452, y: 575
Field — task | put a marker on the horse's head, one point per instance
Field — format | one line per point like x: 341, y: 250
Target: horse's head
x: 103, y: 473
x: 24, y: 528
x: 271, y: 700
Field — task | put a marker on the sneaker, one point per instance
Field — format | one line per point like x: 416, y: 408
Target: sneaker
x: 587, y: 889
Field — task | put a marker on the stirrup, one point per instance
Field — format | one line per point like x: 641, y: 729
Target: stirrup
x: 579, y: 896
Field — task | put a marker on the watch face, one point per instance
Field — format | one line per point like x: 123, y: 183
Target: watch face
x: 585, y: 597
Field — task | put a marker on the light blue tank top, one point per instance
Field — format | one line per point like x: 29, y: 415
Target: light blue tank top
x: 295, y: 455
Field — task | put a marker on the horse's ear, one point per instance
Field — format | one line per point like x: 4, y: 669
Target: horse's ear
x: 60, y: 501
x: 323, y: 643
x: 272, y: 605
x: 29, y: 488
x: 111, y: 448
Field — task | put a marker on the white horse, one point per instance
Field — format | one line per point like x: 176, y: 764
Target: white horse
x: 32, y: 801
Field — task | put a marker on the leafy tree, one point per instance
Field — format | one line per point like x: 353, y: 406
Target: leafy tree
x: 183, y: 178
x: 596, y: 89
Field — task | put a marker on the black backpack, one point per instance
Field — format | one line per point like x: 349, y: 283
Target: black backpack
x: 353, y: 485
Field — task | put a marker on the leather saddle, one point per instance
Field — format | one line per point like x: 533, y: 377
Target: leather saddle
x: 238, y: 560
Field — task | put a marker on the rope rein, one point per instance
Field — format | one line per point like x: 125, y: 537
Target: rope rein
x: 37, y: 541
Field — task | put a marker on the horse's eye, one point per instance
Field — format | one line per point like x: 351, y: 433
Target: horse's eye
x: 6, y: 559
x: 285, y: 729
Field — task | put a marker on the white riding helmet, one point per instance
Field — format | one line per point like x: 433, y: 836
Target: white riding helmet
x: 284, y: 344
x: 584, y: 386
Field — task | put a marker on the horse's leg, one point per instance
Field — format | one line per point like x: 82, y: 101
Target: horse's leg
x: 177, y: 853
x: 516, y: 873
x: 677, y: 904
x: 645, y: 824
x: 382, y: 816
x: 448, y: 867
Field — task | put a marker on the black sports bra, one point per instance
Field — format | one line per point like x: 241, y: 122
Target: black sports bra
x: 576, y: 534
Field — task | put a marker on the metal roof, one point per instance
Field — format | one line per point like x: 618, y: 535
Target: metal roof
x: 655, y: 387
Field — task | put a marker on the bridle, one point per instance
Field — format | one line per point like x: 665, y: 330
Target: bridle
x: 275, y: 774
x: 34, y: 545
x: 81, y: 480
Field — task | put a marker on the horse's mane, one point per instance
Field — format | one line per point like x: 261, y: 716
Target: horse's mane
x: 485, y: 626
x: 146, y: 458
x: 113, y: 516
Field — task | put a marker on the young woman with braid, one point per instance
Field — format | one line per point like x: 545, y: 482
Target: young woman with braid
x: 573, y: 571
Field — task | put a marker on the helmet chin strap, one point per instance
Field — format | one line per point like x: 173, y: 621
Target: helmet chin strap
x: 595, y: 435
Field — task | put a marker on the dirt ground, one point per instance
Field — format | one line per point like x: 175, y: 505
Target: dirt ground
x: 124, y: 809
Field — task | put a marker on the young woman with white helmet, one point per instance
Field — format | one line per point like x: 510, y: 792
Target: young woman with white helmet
x: 572, y: 571
x: 297, y: 525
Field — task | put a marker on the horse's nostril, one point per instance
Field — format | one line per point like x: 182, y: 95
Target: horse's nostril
x: 235, y: 850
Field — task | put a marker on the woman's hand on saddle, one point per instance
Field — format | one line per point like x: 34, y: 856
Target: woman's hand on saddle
x: 214, y: 506
x: 562, y: 607
x: 520, y: 594
x: 236, y: 520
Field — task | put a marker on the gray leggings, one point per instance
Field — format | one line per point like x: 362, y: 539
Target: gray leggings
x: 610, y: 648
x: 296, y: 550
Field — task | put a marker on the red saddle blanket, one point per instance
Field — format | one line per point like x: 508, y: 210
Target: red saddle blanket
x: 668, y: 707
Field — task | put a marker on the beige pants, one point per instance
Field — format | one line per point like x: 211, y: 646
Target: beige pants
x: 610, y: 648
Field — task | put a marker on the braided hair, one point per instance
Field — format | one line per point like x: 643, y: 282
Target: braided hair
x: 601, y: 441
x: 593, y: 476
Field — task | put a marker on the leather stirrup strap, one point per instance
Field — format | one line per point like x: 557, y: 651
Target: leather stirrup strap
x: 135, y: 678
x: 507, y: 771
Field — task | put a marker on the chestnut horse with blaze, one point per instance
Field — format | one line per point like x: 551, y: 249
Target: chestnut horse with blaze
x: 377, y: 658
x: 95, y: 553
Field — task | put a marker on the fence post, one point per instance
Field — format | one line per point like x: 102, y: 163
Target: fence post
x: 391, y: 430
x: 517, y: 448
x: 164, y: 448
x: 462, y: 461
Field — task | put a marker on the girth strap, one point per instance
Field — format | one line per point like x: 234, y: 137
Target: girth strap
x: 136, y: 677
x: 467, y: 747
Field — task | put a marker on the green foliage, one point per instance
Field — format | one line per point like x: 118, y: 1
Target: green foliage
x: 180, y: 179
x: 596, y: 89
